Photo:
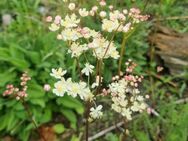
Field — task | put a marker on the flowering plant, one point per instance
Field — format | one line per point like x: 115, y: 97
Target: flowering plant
x: 83, y: 42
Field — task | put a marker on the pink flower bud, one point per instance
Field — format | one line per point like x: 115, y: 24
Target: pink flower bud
x: 57, y: 19
x: 149, y: 110
x: 111, y: 7
x: 94, y: 8
x: 102, y: 3
x: 47, y: 87
x: 49, y: 19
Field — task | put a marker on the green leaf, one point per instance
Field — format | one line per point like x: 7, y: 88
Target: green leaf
x: 47, y: 116
x: 71, y: 116
x: 24, y: 135
x: 141, y: 136
x: 6, y: 77
x: 69, y: 102
x: 34, y: 56
x: 12, y: 120
x: 4, y: 54
x: 19, y: 63
x: 3, y: 124
x: 111, y: 137
x: 74, y: 138
x: 35, y: 91
x: 59, y: 128
x: 39, y: 102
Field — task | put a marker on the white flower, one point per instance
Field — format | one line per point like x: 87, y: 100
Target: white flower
x: 60, y: 88
x: 54, y: 27
x: 114, y: 15
x: 125, y: 11
x: 76, y: 50
x: 83, y: 12
x: 94, y: 85
x: 88, y: 69
x: 85, y: 93
x: 58, y: 73
x: 73, y: 89
x: 70, y: 21
x: 71, y: 6
x: 70, y: 35
x: 127, y: 27
x: 127, y: 113
x: 109, y: 25
x: 96, y: 113
x: 100, y: 46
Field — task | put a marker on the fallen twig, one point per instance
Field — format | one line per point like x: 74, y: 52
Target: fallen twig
x: 103, y: 132
x: 170, y: 18
x: 118, y: 125
x: 180, y: 101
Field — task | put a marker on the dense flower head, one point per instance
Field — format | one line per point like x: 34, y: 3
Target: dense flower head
x: 126, y: 96
x: 16, y: 91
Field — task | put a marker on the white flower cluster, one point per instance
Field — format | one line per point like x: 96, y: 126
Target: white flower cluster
x: 126, y: 96
x: 73, y: 89
x: 102, y: 48
x: 122, y: 21
x: 85, y: 40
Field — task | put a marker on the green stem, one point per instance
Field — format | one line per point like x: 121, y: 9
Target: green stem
x: 121, y: 54
x: 87, y: 120
x: 79, y: 69
x: 100, y: 73
x: 110, y: 41
x: 32, y: 120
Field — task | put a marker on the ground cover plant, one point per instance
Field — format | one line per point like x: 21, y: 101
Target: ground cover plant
x: 26, y: 45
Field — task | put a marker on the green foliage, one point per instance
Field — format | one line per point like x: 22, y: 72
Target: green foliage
x: 59, y: 128
x: 26, y: 45
x: 111, y: 137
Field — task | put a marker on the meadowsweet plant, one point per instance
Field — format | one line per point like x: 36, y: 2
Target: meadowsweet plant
x: 85, y: 42
x: 20, y: 93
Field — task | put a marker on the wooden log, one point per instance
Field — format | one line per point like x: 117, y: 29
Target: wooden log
x: 172, y: 47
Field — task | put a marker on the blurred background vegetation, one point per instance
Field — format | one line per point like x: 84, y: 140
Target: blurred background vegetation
x: 27, y: 45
